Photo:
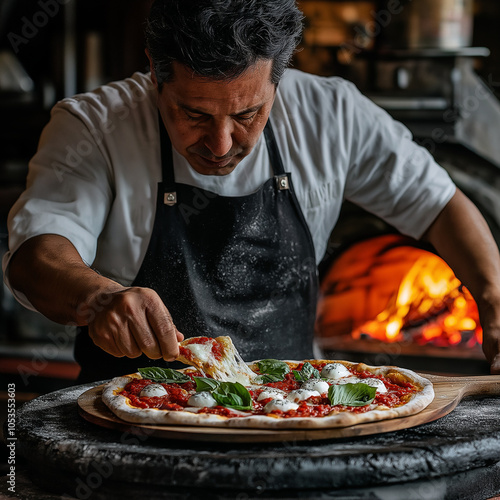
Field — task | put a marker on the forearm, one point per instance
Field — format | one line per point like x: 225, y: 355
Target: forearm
x: 50, y: 272
x: 122, y: 321
x: 462, y: 238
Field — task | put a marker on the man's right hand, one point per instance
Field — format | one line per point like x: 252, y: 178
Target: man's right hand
x: 131, y: 322
x: 123, y: 321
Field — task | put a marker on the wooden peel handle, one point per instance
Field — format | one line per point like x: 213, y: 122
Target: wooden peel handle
x: 478, y: 385
x: 483, y: 385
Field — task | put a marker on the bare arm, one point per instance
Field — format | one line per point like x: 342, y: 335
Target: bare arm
x: 123, y: 321
x: 462, y: 238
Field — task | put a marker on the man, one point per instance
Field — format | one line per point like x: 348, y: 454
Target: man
x: 163, y: 205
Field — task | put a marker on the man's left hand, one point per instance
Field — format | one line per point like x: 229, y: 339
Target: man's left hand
x: 491, y: 348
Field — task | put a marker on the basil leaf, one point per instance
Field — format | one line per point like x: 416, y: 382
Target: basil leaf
x: 274, y: 368
x: 233, y: 395
x: 308, y: 371
x: 229, y: 394
x: 266, y: 379
x: 164, y: 375
x: 351, y: 394
x: 206, y: 384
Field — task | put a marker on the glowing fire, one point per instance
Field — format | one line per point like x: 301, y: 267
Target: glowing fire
x: 427, y: 302
x: 432, y: 292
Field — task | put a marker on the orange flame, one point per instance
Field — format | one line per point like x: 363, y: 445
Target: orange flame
x: 430, y: 293
x: 388, y: 289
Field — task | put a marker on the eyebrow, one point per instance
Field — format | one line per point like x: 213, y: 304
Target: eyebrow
x: 200, y: 112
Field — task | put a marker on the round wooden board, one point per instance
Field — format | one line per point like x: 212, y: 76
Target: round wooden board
x: 448, y: 393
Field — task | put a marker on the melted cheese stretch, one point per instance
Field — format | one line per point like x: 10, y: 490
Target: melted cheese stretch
x: 234, y: 370
x: 229, y: 368
x: 203, y: 352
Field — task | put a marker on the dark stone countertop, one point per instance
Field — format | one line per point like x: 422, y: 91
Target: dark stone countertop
x: 458, y: 454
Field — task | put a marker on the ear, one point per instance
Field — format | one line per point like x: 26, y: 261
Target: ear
x: 152, y: 69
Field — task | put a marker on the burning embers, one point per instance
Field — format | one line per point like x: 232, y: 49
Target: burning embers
x: 386, y: 288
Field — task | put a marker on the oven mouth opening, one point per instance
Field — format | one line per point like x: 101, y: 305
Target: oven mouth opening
x: 388, y: 294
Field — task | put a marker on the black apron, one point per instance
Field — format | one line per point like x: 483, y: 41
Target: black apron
x: 240, y: 266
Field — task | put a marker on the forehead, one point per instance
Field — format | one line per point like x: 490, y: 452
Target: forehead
x: 250, y: 89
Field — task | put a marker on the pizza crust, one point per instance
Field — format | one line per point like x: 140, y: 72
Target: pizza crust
x: 120, y: 406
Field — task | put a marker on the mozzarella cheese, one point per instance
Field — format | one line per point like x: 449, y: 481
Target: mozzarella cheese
x: 229, y: 367
x: 348, y: 380
x: 202, y: 399
x: 315, y: 384
x: 334, y: 371
x: 375, y: 382
x: 203, y: 352
x: 153, y: 390
x: 301, y: 395
x: 271, y: 392
x: 280, y: 404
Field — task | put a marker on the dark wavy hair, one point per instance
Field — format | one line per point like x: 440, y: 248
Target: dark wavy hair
x: 220, y: 39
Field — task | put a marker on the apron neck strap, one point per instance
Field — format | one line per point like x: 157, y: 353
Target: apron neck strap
x: 167, y: 162
x: 272, y: 149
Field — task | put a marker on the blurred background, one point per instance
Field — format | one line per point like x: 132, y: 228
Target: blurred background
x: 433, y: 64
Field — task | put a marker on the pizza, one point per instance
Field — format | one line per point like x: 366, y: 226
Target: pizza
x: 217, y: 358
x: 219, y: 389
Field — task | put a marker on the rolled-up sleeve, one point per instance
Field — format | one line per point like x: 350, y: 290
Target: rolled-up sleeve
x: 68, y: 190
x: 392, y: 176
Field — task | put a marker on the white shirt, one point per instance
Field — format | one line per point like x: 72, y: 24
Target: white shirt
x: 94, y: 177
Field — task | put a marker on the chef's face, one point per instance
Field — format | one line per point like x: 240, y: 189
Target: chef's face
x: 215, y: 124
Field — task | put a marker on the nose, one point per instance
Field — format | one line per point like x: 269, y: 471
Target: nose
x: 218, y: 138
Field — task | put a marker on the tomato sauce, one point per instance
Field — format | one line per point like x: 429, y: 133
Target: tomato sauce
x: 217, y: 349
x: 136, y: 385
x: 288, y: 384
x: 317, y: 406
x: 185, y: 353
x: 220, y: 410
x: 177, y: 395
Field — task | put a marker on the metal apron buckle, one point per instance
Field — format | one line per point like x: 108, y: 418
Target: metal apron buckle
x: 170, y: 198
x: 282, y: 182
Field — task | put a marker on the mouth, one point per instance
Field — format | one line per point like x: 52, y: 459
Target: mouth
x: 215, y: 163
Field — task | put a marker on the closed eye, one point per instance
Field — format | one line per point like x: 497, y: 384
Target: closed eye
x: 245, y: 116
x: 195, y: 116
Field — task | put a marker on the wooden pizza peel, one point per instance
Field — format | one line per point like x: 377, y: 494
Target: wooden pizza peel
x: 449, y: 391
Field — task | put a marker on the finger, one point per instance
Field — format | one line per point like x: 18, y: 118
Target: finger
x: 146, y: 340
x: 180, y: 336
x: 127, y: 343
x: 165, y: 332
x: 106, y: 342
